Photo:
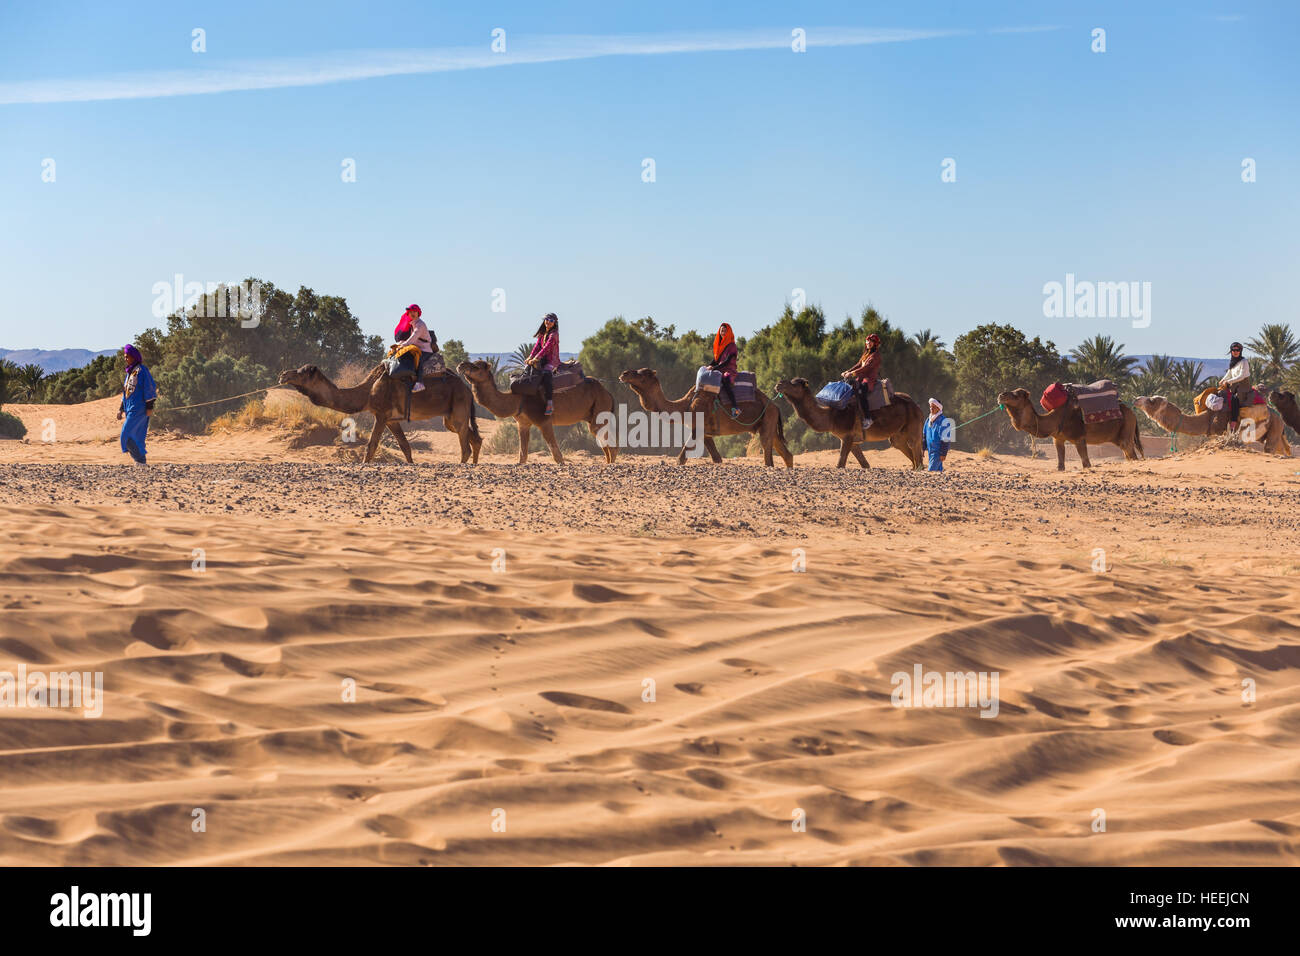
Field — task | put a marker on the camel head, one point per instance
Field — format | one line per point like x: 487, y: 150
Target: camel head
x: 1019, y: 406
x: 479, y: 371
x: 640, y: 379
x: 1284, y: 400
x: 303, y: 379
x: 795, y: 389
x: 1153, y: 406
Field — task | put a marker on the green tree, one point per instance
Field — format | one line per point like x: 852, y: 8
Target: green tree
x: 995, y: 358
x: 196, y: 380
x: 453, y: 353
x: 1188, y: 377
x: 1277, y: 346
x: 1098, y: 358
x: 925, y: 339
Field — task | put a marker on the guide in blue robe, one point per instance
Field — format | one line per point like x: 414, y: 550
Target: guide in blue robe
x: 138, y: 395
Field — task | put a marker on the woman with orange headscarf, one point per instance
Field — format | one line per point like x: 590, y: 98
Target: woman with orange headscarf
x: 725, y: 354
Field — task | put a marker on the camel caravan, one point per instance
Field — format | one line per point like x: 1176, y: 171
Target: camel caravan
x: 413, y: 383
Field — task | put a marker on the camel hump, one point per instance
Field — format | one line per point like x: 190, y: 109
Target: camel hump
x: 1099, y: 401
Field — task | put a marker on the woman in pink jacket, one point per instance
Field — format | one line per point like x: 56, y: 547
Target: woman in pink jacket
x: 411, y: 330
x: 545, y: 356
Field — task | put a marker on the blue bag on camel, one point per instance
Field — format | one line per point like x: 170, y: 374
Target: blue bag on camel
x: 836, y: 395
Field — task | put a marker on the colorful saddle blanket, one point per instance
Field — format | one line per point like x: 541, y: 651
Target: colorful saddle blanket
x: 1099, y: 402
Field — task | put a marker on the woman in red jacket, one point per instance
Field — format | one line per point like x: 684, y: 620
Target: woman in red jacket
x: 866, y: 373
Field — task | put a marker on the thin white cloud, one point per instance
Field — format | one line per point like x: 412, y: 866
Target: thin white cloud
x: 1023, y: 29
x: 368, y: 64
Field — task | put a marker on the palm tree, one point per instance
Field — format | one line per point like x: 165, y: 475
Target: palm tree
x: 925, y: 339
x: 517, y: 361
x: 1099, y: 357
x: 1261, y: 375
x: 26, y: 383
x: 1277, y: 346
x: 1188, y: 376
x: 1158, y: 368
x: 8, y: 380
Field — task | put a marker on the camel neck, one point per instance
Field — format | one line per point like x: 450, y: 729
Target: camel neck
x: 495, y: 400
x: 352, y: 399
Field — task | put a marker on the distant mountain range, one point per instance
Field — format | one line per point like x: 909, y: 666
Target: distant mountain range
x: 53, y: 360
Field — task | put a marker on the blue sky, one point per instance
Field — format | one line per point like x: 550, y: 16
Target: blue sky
x: 774, y: 170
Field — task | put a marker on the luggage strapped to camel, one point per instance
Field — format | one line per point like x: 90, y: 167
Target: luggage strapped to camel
x: 1098, y: 402
x: 567, y: 375
x: 743, y: 384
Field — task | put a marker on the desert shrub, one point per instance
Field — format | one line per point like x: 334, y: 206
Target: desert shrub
x: 290, y: 411
x: 11, y: 426
x: 198, y: 379
x: 570, y: 438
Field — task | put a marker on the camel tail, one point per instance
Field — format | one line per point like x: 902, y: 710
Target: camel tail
x: 473, y: 418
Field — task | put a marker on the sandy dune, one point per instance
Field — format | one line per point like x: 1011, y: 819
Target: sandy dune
x: 516, y: 695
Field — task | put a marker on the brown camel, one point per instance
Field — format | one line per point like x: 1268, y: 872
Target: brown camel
x: 1172, y: 418
x: 1066, y: 424
x: 761, y: 416
x: 582, y: 403
x: 645, y: 382
x: 1288, y: 408
x: 901, y: 422
x: 444, y: 396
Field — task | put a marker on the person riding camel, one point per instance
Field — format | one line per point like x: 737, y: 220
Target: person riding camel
x: 1235, y: 385
x: 411, y: 330
x: 545, y: 356
x: 866, y: 374
x: 725, y: 355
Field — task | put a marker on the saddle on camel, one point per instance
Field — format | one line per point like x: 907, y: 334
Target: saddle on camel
x: 529, y: 381
x: 1098, y: 402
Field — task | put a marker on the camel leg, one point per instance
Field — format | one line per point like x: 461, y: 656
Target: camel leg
x: 897, y: 440
x: 375, y: 434
x: 405, y: 445
x: 1060, y: 453
x: 783, y: 450
x: 525, y: 431
x: 455, y: 423
x: 712, y: 449
x: 595, y: 433
x: 767, y: 438
x: 475, y: 440
x: 857, y: 453
x: 548, y: 436
x: 1081, y: 447
x: 845, y: 445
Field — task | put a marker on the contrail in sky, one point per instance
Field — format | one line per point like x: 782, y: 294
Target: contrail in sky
x: 345, y: 66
